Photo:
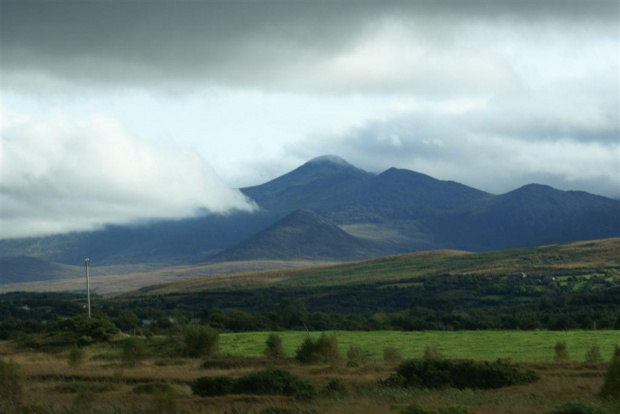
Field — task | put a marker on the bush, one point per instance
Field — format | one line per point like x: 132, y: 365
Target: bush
x: 134, y: 351
x: 97, y: 328
x: 391, y: 355
x: 355, y: 356
x: 10, y: 384
x: 201, y: 341
x: 561, y: 355
x: 76, y: 357
x: 594, y: 354
x: 270, y: 381
x: 336, y: 386
x: 323, y: 350
x: 461, y: 374
x: 212, y: 386
x: 274, y: 381
x: 431, y: 353
x: 273, y: 347
x: 577, y: 408
x: 611, y: 387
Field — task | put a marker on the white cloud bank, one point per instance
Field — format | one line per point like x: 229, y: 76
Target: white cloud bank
x: 62, y: 175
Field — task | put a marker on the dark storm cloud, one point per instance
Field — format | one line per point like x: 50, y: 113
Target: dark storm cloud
x: 266, y: 44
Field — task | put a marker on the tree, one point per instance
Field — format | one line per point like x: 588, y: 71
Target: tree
x: 127, y: 320
x: 201, y: 341
x: 273, y: 347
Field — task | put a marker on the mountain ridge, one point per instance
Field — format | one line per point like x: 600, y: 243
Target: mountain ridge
x: 394, y: 212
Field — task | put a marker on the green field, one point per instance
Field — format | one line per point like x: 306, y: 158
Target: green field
x: 480, y: 345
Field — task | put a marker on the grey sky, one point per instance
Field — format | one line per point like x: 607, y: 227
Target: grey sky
x: 196, y: 97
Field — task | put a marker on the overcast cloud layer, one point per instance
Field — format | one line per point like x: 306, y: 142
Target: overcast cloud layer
x: 136, y: 104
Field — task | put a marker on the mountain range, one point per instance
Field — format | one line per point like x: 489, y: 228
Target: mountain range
x: 330, y: 210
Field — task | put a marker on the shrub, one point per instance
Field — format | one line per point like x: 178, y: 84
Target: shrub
x: 10, y: 384
x: 577, y: 408
x: 336, y: 386
x: 212, y: 386
x: 76, y: 357
x: 270, y: 381
x: 273, y: 347
x: 431, y: 352
x: 84, y: 340
x: 355, y: 356
x: 391, y: 355
x: 611, y: 387
x: 274, y: 381
x: 594, y: 354
x: 561, y: 355
x: 201, y: 341
x: 462, y: 374
x: 134, y: 351
x: 324, y: 349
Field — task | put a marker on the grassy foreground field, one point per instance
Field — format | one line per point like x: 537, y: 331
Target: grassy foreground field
x: 479, y: 345
x: 103, y: 384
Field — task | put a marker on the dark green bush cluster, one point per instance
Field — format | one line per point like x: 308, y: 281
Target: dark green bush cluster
x: 323, y: 350
x: 270, y: 381
x: 460, y: 374
x: 212, y: 386
x: 95, y: 329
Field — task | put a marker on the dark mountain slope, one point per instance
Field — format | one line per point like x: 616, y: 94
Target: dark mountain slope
x: 403, y: 195
x: 313, y: 185
x: 20, y: 269
x: 166, y: 242
x: 533, y: 214
x: 302, y: 234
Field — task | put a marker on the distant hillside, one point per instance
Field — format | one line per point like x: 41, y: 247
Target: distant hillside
x: 302, y: 235
x: 551, y: 259
x: 23, y: 269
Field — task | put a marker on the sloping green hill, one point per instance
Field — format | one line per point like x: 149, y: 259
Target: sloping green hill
x: 540, y: 260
